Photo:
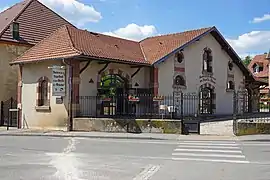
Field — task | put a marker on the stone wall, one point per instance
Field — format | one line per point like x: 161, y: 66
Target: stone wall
x: 249, y: 128
x: 224, y: 127
x: 124, y: 125
x: 8, y: 80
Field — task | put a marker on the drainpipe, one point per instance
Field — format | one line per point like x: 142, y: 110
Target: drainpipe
x: 70, y: 98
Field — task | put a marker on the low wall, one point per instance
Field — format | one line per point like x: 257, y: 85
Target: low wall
x: 217, y: 127
x: 249, y: 128
x: 127, y: 125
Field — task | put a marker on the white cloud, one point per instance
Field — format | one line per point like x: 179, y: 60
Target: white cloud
x: 265, y: 17
x: 74, y: 11
x: 134, y: 32
x: 254, y: 42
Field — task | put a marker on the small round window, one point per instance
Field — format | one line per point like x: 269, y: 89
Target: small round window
x: 179, y: 57
x: 230, y: 65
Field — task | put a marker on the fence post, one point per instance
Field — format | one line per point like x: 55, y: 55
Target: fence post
x: 181, y: 112
x: 235, y: 112
x: 2, y: 113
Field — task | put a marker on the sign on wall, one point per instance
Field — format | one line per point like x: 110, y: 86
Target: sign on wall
x: 58, y: 81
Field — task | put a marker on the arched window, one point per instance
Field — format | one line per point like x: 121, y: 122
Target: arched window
x: 207, y: 60
x: 179, y: 57
x: 230, y: 85
x: 43, y: 89
x: 179, y: 81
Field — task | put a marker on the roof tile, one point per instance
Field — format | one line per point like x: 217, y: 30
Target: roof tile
x: 157, y: 47
x: 36, y: 21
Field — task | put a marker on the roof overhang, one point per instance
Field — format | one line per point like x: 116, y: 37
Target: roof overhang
x: 80, y: 57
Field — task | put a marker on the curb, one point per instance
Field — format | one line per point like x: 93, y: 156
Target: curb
x: 83, y: 136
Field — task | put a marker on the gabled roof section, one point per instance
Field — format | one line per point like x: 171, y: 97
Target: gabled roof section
x: 102, y: 46
x: 261, y: 60
x: 57, y: 45
x: 157, y: 47
x: 70, y: 42
x: 10, y: 14
x: 36, y: 21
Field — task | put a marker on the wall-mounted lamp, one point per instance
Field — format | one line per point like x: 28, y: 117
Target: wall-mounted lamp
x: 91, y: 81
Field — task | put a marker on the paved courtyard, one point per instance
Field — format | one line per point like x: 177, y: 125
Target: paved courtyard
x: 71, y: 158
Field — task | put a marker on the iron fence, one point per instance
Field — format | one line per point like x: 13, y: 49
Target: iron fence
x: 181, y: 106
x: 251, y: 108
x: 8, y: 117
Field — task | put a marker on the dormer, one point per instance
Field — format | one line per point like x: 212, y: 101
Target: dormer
x: 14, y: 28
x: 257, y: 67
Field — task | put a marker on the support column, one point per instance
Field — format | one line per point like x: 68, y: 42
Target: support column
x: 156, y: 84
x: 76, y: 87
x: 19, y: 96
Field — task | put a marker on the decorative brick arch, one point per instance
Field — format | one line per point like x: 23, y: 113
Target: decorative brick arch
x: 118, y: 72
x: 207, y: 109
x: 207, y: 85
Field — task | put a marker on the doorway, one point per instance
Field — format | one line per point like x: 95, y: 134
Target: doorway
x: 206, y: 100
x: 113, y: 90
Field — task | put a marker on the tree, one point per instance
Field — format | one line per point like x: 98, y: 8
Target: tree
x: 247, y: 60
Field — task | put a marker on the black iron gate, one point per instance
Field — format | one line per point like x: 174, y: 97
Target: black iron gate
x: 8, y: 117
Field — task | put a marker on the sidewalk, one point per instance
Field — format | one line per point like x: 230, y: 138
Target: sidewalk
x: 109, y: 135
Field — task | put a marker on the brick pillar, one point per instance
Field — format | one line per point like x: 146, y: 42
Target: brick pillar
x: 19, y: 96
x: 155, y: 81
x: 76, y: 87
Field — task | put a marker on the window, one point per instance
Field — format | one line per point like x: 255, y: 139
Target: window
x: 179, y: 57
x: 15, y: 30
x: 257, y: 68
x: 230, y: 85
x: 207, y: 60
x: 43, y: 92
x: 230, y: 65
x: 179, y: 81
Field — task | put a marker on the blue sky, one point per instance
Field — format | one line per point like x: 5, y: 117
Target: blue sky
x: 244, y: 23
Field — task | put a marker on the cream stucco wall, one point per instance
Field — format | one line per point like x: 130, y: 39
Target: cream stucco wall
x: 193, y: 70
x: 88, y: 89
x: 8, y: 78
x: 57, y: 118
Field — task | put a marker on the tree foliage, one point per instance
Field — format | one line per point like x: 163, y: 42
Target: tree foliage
x: 247, y: 60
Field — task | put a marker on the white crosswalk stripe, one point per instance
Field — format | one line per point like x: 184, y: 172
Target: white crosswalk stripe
x: 209, y: 151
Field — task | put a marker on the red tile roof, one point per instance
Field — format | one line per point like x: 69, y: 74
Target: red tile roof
x: 36, y: 22
x: 101, y: 46
x: 69, y: 41
x: 260, y: 59
x: 157, y: 47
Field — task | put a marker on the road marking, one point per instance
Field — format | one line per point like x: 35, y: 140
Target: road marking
x: 211, y: 144
x: 208, y: 147
x: 206, y: 141
x: 66, y: 162
x: 209, y: 150
x: 143, y: 141
x: 147, y: 173
x: 211, y: 160
x: 208, y: 155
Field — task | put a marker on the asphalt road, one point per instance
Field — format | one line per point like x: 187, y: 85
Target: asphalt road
x: 48, y: 158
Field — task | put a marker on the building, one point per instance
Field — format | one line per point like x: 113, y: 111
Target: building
x: 21, y: 27
x: 115, y: 76
x: 259, y: 66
